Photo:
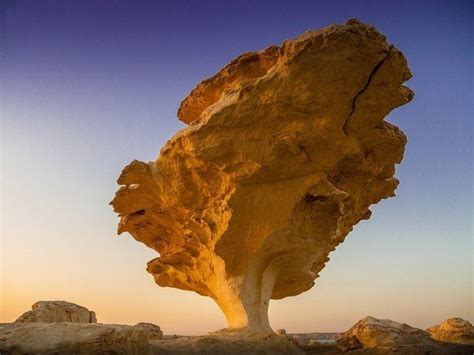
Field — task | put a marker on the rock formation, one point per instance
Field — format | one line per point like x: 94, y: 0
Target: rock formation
x: 60, y: 327
x: 453, y: 330
x: 77, y: 338
x: 384, y: 336
x: 57, y: 311
x: 284, y: 152
x: 371, y: 332
x: 368, y: 336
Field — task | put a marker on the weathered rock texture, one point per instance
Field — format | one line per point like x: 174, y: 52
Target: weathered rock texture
x: 77, y: 338
x: 384, y: 336
x: 233, y: 343
x: 453, y: 330
x: 285, y: 151
x: 57, y: 311
x: 372, y: 332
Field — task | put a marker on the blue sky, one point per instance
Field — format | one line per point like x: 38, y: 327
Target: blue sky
x: 88, y: 86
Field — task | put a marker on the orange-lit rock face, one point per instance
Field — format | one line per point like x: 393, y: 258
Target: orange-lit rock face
x: 286, y: 150
x: 453, y: 330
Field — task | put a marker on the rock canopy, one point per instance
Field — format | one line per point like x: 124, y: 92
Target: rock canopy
x: 57, y: 311
x: 284, y: 152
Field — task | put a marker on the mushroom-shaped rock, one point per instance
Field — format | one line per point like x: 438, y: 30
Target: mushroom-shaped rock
x: 57, y: 311
x: 453, y: 330
x: 285, y: 151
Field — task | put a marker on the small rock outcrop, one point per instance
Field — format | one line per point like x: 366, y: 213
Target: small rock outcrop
x: 152, y: 330
x: 77, y: 338
x: 285, y: 151
x: 384, y: 336
x: 57, y: 311
x: 453, y: 330
x: 371, y: 332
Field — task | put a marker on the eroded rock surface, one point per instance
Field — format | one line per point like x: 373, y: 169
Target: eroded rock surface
x: 77, y: 338
x: 384, y: 336
x: 453, y: 330
x: 57, y: 311
x: 371, y: 332
x: 285, y: 151
x: 232, y: 343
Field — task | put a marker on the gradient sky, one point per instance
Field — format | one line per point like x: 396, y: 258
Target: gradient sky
x: 88, y: 86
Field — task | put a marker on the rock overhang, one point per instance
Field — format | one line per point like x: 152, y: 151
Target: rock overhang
x: 286, y: 150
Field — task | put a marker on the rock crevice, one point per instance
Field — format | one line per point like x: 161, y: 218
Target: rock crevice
x: 369, y: 80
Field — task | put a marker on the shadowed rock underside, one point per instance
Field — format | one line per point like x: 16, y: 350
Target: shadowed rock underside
x: 284, y: 152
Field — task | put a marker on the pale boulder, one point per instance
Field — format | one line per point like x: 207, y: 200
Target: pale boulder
x: 371, y: 332
x: 453, y: 330
x: 57, y: 311
x: 383, y: 336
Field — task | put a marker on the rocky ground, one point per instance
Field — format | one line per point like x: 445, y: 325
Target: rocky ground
x: 59, y: 327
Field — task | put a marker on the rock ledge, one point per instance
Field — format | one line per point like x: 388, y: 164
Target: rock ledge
x: 57, y: 311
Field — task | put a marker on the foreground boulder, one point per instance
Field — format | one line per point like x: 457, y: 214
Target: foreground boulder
x: 77, y: 338
x: 372, y: 332
x: 57, y: 311
x: 386, y: 336
x: 286, y: 150
x: 453, y: 330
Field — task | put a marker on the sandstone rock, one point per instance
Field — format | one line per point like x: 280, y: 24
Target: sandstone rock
x: 77, y: 338
x: 372, y: 332
x: 384, y: 336
x: 152, y: 330
x: 453, y: 330
x: 349, y: 342
x: 57, y: 311
x: 286, y: 150
x: 281, y: 332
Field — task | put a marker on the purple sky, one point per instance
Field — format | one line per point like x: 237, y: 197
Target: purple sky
x: 87, y: 86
